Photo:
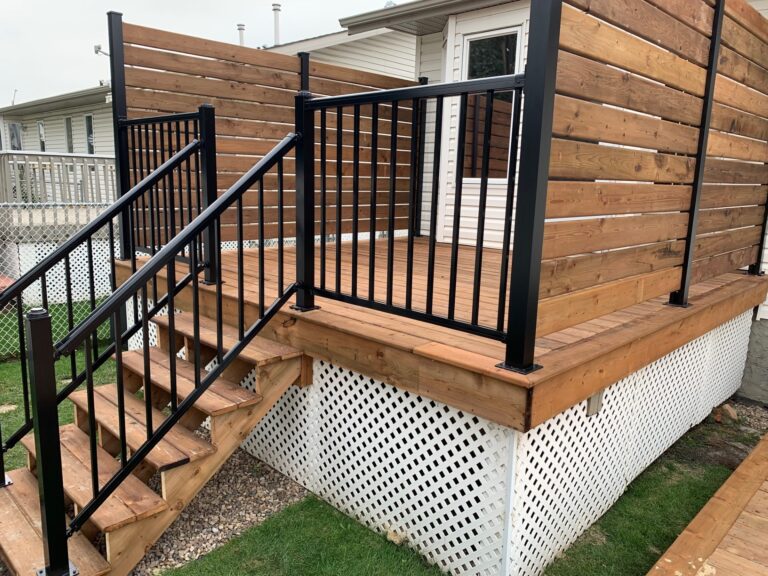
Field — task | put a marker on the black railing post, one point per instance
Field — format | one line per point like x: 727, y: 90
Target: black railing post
x: 305, y: 203
x: 119, y: 114
x: 421, y: 144
x: 42, y: 377
x: 304, y: 71
x: 539, y: 105
x: 680, y: 297
x: 208, y: 177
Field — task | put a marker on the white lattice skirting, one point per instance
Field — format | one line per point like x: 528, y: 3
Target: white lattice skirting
x: 475, y: 497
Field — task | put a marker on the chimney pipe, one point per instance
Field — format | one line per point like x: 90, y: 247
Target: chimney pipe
x: 241, y: 32
x: 276, y: 11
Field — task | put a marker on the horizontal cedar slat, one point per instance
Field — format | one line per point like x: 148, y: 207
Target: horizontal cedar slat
x: 574, y: 199
x: 585, y: 161
x: 729, y: 119
x: 572, y: 273
x: 728, y: 241
x: 716, y: 265
x: 645, y: 20
x: 744, y: 42
x: 735, y: 66
x: 719, y: 219
x: 746, y: 15
x: 588, y: 36
x: 721, y: 196
x: 584, y: 120
x: 734, y: 172
x: 732, y: 146
x: 735, y: 95
x: 222, y: 70
x: 695, y: 13
x: 584, y: 78
x: 560, y: 312
x: 163, y: 40
x: 570, y: 237
x: 173, y: 82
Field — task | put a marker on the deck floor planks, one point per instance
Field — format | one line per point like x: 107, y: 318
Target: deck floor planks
x: 729, y: 535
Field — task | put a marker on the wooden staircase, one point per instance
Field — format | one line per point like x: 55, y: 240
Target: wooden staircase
x: 120, y: 532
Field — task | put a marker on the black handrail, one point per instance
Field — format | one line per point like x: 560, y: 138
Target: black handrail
x: 169, y: 252
x: 444, y: 89
x: 94, y: 226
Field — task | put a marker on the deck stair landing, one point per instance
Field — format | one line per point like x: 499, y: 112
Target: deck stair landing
x: 729, y: 537
x: 135, y: 516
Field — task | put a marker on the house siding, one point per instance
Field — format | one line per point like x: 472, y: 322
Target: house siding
x: 391, y: 53
x: 55, y: 136
x: 486, y: 20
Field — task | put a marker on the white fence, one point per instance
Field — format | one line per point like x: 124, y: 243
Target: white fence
x: 44, y: 199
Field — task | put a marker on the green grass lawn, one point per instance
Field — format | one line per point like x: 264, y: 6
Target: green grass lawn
x: 309, y: 539
x: 658, y: 505
x: 12, y: 399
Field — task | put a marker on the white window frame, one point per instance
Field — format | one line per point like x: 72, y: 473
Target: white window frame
x: 507, y: 30
x: 93, y: 134
x: 69, y: 135
x: 41, y: 135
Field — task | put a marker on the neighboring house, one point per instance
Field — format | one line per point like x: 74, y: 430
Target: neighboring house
x: 75, y: 123
x: 381, y: 51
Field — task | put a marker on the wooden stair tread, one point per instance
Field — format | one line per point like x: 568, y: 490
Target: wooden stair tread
x: 21, y: 532
x: 260, y: 352
x: 178, y: 447
x: 131, y: 501
x: 222, y: 396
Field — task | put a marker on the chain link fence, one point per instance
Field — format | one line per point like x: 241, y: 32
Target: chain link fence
x: 43, y: 201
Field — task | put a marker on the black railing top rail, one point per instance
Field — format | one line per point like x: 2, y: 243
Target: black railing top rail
x: 15, y: 289
x: 180, y: 117
x: 169, y: 252
x: 444, y: 89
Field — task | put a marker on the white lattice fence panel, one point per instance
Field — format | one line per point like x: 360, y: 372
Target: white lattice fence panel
x: 729, y: 345
x: 395, y: 461
x: 571, y: 469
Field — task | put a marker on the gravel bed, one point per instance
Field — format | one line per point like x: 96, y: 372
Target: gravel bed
x: 753, y: 416
x: 242, y: 494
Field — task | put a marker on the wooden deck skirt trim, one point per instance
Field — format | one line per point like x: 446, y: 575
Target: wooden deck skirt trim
x: 460, y: 369
x: 701, y: 541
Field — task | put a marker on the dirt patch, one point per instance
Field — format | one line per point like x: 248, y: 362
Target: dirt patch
x: 7, y: 408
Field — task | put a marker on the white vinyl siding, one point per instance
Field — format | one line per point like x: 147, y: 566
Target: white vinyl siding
x: 431, y: 64
x: 391, y: 53
x: 55, y: 130
x: 497, y: 18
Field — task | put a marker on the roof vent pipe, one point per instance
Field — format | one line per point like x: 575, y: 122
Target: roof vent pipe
x: 276, y: 11
x: 241, y: 32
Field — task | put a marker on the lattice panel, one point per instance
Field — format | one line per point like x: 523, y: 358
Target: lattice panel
x: 400, y: 462
x: 572, y: 469
x: 396, y: 462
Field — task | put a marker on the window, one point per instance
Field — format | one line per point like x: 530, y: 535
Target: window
x: 41, y: 134
x: 69, y: 135
x: 14, y: 129
x: 488, y: 55
x: 89, y: 142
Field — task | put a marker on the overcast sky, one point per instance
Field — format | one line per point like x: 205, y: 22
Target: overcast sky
x: 46, y: 46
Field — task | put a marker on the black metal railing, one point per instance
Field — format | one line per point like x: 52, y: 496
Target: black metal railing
x: 373, y: 153
x: 178, y: 267
x: 73, y: 264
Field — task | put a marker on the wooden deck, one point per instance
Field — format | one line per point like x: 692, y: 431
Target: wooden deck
x: 729, y: 537
x: 459, y: 368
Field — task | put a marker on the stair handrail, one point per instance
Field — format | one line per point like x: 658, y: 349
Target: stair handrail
x: 138, y: 281
x: 94, y: 226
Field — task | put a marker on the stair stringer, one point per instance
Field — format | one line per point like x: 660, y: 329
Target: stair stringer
x: 126, y: 547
